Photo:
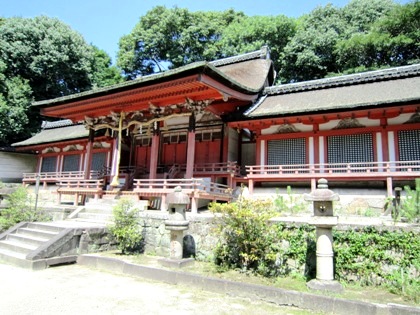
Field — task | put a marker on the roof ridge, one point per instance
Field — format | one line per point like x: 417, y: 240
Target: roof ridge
x: 350, y: 79
x: 263, y: 53
x: 57, y: 124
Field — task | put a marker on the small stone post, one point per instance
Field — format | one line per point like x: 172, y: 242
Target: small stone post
x: 177, y: 223
x: 324, y: 221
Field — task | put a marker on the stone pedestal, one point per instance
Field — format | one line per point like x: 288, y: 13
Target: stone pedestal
x: 177, y: 224
x: 324, y: 221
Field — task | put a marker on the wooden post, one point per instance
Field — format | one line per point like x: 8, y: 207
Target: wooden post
x: 115, y: 181
x: 88, y: 156
x: 191, y: 148
x: 250, y: 186
x: 154, y: 152
x: 194, y: 209
x: 389, y: 186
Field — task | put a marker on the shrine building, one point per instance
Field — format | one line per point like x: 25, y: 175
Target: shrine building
x: 210, y: 127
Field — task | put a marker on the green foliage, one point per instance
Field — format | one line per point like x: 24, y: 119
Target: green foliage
x: 20, y: 208
x: 372, y: 257
x: 43, y: 58
x: 15, y: 100
x: 251, y: 33
x: 290, y: 203
x: 104, y: 73
x: 249, y: 241
x: 410, y: 205
x: 169, y: 38
x: 403, y: 283
x: 246, y: 237
x: 125, y: 228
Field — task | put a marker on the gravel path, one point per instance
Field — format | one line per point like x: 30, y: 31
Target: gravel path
x: 74, y: 289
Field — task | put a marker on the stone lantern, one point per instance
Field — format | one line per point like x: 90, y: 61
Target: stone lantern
x: 324, y: 220
x: 177, y: 223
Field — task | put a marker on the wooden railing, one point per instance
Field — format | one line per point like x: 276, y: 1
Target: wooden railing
x: 78, y: 187
x: 199, y: 186
x: 337, y: 170
x: 57, y: 176
x: 207, y: 168
x: 215, y: 168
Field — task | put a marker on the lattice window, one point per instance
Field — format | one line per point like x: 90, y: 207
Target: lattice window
x: 409, y: 145
x: 49, y: 164
x: 350, y: 148
x: 71, y: 163
x: 287, y: 151
x: 98, y: 161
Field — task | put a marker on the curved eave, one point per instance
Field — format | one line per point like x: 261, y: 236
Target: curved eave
x: 150, y: 80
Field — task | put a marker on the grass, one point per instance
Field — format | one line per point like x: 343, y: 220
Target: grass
x: 295, y: 283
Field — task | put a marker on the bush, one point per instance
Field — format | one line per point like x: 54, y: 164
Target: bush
x: 126, y: 229
x: 410, y: 207
x: 246, y: 237
x: 368, y: 256
x: 20, y: 208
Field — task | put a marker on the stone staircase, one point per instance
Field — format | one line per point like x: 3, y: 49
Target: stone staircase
x: 38, y: 245
x: 95, y: 211
x: 43, y: 244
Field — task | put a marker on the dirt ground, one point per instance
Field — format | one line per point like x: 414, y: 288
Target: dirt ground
x: 73, y: 289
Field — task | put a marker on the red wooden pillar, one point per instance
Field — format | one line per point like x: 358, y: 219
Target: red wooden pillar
x: 191, y: 148
x: 88, y: 154
x: 154, y: 152
x: 385, y: 140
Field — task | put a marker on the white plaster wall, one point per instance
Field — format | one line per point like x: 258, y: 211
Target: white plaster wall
x: 13, y: 165
x: 364, y: 121
x: 401, y: 119
x: 273, y: 129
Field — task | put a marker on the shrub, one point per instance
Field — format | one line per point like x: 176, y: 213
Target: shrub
x: 246, y: 237
x: 126, y: 228
x: 290, y: 202
x: 410, y: 207
x: 20, y: 208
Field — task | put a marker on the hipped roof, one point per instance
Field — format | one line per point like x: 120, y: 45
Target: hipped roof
x: 246, y: 73
x: 55, y: 132
x: 369, y: 89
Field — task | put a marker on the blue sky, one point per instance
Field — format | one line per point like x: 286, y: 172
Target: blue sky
x: 104, y: 22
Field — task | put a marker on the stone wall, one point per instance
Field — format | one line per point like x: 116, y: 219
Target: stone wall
x: 198, y: 239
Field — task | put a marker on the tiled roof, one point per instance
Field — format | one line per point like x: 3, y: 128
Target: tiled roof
x: 54, y: 132
x: 263, y: 53
x: 374, y: 88
x: 351, y: 79
x: 208, y: 67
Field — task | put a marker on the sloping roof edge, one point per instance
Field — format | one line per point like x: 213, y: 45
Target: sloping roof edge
x: 351, y: 79
x: 206, y: 67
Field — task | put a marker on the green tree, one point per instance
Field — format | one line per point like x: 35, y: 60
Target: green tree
x: 310, y: 53
x: 103, y: 72
x: 53, y: 58
x: 15, y: 101
x: 251, y: 33
x: 169, y: 38
x: 43, y: 58
x: 392, y: 41
x: 317, y: 48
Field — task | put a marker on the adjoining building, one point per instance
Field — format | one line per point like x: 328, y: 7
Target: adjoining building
x: 212, y: 126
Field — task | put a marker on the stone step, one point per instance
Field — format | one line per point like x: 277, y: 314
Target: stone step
x: 94, y: 215
x: 35, y: 241
x: 35, y: 233
x: 16, y: 246
x: 98, y: 209
x: 93, y: 221
x: 6, y: 253
x: 44, y: 227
